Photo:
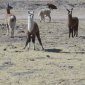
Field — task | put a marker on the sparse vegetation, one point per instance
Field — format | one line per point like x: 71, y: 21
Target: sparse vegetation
x: 62, y: 62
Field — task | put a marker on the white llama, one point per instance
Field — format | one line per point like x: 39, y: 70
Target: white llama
x: 33, y: 31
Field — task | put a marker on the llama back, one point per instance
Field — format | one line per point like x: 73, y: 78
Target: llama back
x: 47, y: 11
x: 44, y: 11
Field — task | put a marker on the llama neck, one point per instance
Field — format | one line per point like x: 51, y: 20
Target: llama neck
x: 30, y: 19
x: 30, y: 23
x: 8, y: 11
x: 69, y: 18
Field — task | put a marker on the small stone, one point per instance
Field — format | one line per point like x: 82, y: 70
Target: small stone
x: 32, y: 60
x: 48, y: 56
x: 70, y: 67
x: 4, y: 49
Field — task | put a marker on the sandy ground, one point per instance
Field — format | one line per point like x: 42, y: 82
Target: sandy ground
x: 62, y: 62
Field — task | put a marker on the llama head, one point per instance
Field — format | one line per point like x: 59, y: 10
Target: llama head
x: 69, y: 11
x: 30, y: 14
x: 9, y: 7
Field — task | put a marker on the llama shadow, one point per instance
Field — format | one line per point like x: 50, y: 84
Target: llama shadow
x: 52, y: 22
x: 53, y: 50
x: 83, y: 37
x: 60, y: 51
x: 20, y: 36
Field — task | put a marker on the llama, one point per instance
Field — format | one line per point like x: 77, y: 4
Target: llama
x: 51, y: 6
x: 33, y: 31
x: 45, y: 13
x: 11, y: 21
x: 73, y: 23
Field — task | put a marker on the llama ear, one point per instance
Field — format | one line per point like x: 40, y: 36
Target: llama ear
x: 71, y: 9
x: 8, y: 5
x: 33, y: 12
x: 28, y: 12
x: 67, y: 10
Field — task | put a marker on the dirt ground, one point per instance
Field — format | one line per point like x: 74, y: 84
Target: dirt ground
x: 62, y: 62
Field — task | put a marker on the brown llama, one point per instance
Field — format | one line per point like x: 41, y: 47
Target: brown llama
x: 73, y: 23
x: 33, y: 31
x: 11, y: 21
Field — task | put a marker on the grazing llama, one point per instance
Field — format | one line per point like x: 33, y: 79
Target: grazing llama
x: 45, y: 13
x: 73, y: 23
x: 11, y: 21
x: 33, y: 31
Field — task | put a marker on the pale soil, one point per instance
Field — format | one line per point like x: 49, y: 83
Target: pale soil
x: 62, y: 62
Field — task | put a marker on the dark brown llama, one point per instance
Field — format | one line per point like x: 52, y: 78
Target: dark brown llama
x: 73, y: 23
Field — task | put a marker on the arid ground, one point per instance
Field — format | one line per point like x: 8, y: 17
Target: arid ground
x: 62, y: 62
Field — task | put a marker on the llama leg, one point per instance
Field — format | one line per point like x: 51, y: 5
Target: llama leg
x: 7, y: 30
x: 77, y: 32
x: 43, y: 18
x: 49, y: 18
x: 28, y: 45
x: 40, y: 19
x: 72, y: 32
x: 69, y: 32
x: 12, y: 33
x: 12, y: 29
x: 28, y: 41
x: 77, y: 29
x: 33, y: 40
x: 39, y: 39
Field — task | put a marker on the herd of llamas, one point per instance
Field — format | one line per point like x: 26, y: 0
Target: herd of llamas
x: 33, y: 28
